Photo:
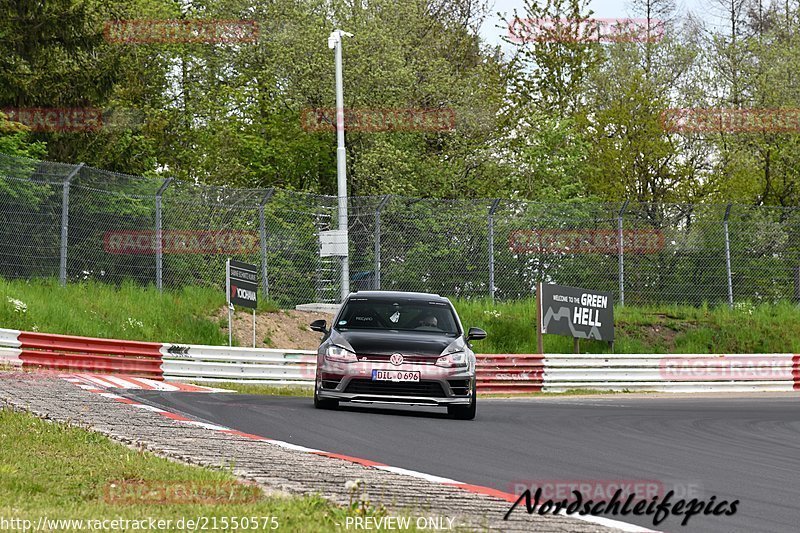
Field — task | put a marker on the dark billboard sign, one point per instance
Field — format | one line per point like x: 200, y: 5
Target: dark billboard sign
x: 242, y: 284
x: 577, y: 313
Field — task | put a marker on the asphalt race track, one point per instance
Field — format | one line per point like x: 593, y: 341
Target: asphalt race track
x: 744, y: 447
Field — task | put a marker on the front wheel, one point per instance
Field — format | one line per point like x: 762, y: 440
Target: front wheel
x: 324, y: 403
x: 464, y: 412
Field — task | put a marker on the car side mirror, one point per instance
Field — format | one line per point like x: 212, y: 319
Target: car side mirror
x: 475, y: 334
x: 320, y: 325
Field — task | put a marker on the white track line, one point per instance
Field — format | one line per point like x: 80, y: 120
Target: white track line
x: 122, y: 383
x: 421, y: 475
x: 155, y: 385
x: 97, y: 381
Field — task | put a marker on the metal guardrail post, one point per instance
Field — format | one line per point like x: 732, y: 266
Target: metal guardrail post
x: 490, y: 228
x: 159, y: 239
x: 62, y: 269
x: 262, y: 230
x: 728, y: 255
x: 377, y: 274
x: 621, y: 253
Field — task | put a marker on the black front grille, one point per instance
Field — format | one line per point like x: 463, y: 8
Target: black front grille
x: 431, y: 389
x: 385, y: 358
x: 459, y: 387
x: 330, y: 383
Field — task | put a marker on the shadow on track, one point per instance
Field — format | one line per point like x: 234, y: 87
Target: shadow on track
x: 395, y: 411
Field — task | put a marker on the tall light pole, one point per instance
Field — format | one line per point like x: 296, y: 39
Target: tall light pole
x: 335, y: 43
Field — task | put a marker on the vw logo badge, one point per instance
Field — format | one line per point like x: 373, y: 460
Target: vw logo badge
x: 396, y: 359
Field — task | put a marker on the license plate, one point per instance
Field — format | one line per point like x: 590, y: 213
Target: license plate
x: 395, y: 375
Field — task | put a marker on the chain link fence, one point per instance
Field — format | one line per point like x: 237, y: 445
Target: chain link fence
x: 76, y: 223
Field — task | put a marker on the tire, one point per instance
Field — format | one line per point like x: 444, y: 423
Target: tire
x: 324, y: 403
x: 464, y: 412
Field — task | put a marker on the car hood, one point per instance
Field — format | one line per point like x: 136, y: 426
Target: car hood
x: 389, y: 342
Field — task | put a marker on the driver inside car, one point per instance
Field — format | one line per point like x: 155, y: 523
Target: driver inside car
x: 428, y: 322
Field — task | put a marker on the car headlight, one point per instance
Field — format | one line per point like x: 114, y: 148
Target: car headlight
x: 339, y: 354
x: 453, y: 359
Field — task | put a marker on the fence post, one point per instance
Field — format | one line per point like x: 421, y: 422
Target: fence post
x: 797, y: 284
x: 159, y: 239
x: 490, y: 228
x: 621, y: 253
x: 62, y: 269
x: 728, y: 255
x: 377, y: 274
x: 262, y: 231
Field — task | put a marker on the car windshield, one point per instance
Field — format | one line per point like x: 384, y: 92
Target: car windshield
x: 398, y: 315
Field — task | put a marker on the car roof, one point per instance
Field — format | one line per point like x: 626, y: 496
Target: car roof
x: 398, y: 294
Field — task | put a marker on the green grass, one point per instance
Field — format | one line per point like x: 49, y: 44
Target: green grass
x: 746, y: 328
x: 63, y: 472
x: 267, y: 390
x: 128, y: 311
x: 277, y: 390
x: 186, y: 316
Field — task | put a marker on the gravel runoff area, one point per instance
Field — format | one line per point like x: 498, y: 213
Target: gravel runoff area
x: 275, y: 468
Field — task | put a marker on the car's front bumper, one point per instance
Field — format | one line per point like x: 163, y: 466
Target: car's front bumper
x: 352, y: 382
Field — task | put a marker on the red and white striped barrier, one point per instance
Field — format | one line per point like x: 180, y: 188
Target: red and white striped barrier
x: 107, y: 381
x: 81, y: 354
x: 496, y: 373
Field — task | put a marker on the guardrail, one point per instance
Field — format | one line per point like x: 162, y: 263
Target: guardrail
x: 80, y: 354
x: 496, y: 373
x: 181, y: 362
x: 10, y: 347
x: 510, y: 373
x: 672, y: 372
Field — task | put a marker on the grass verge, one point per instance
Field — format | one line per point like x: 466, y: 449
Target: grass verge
x: 266, y: 390
x: 127, y: 311
x: 308, y: 392
x: 747, y: 328
x: 185, y: 316
x: 61, y: 472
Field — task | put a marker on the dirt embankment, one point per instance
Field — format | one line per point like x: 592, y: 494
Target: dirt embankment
x: 286, y: 329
